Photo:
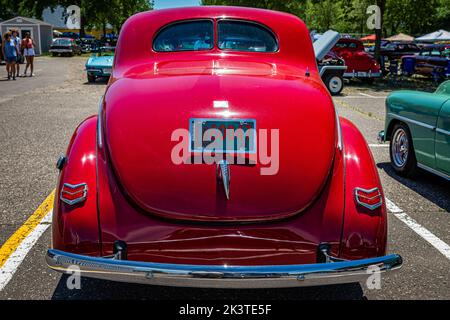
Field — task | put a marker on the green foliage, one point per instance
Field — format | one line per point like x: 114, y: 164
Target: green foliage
x: 93, y: 12
x: 414, y: 17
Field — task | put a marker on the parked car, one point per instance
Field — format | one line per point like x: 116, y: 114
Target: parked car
x: 396, y: 50
x: 359, y: 63
x: 331, y: 66
x: 418, y: 128
x: 431, y: 61
x: 99, y: 64
x: 65, y: 47
x: 139, y: 199
x: 89, y: 45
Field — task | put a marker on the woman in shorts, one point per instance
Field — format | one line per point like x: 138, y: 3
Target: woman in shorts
x: 10, y: 53
x: 28, y: 51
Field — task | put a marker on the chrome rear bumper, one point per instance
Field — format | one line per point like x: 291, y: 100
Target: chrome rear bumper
x: 211, y: 276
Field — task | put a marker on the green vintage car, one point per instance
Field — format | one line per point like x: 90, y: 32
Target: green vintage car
x: 418, y: 128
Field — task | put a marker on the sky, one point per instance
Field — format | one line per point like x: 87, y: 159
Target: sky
x: 162, y: 4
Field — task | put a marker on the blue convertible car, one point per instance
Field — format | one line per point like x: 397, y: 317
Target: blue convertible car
x: 99, y: 64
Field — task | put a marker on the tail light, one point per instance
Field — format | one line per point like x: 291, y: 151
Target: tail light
x: 72, y: 194
x: 370, y: 199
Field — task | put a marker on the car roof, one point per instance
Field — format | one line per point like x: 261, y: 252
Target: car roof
x: 295, y: 46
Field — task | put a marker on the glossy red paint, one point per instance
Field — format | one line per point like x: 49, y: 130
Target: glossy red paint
x: 365, y: 231
x: 75, y: 227
x: 355, y: 57
x: 176, y: 214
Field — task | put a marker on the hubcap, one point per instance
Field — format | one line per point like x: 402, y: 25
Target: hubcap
x: 400, y: 148
x: 335, y: 84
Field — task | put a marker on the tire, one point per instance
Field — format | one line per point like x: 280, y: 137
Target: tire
x: 54, y: 54
x: 91, y: 78
x: 401, y: 151
x: 334, y: 83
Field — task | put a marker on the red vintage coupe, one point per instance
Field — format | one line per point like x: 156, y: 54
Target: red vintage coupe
x: 155, y: 190
x: 359, y: 63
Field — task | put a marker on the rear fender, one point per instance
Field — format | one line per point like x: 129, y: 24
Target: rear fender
x: 76, y: 227
x: 364, y: 231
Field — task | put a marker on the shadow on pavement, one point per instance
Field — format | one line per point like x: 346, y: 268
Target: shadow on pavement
x: 428, y: 185
x: 94, y: 289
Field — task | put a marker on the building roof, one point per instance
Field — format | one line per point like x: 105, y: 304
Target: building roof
x: 29, y: 20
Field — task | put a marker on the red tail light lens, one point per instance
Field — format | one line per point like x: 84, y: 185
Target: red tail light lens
x: 370, y: 199
x: 72, y: 194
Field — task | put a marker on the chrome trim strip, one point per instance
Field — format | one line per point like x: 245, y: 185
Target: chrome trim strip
x: 422, y: 124
x: 74, y: 186
x: 99, y: 123
x: 325, y: 68
x: 434, y: 171
x: 368, y: 206
x: 443, y: 131
x: 339, y: 130
x: 221, y: 276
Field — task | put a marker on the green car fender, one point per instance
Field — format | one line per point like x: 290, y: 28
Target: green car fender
x: 427, y: 115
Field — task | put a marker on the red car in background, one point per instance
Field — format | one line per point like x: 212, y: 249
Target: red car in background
x: 138, y: 199
x: 359, y: 63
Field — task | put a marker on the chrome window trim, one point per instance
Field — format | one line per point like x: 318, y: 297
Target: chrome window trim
x: 157, y: 33
x: 434, y: 171
x: 443, y: 131
x: 99, y: 123
x: 268, y: 29
x: 422, y: 124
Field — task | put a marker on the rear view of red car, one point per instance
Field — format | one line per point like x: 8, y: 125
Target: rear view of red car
x: 359, y: 63
x: 139, y: 199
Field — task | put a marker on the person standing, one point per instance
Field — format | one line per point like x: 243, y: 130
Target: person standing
x: 17, y: 43
x: 28, y: 51
x: 10, y: 53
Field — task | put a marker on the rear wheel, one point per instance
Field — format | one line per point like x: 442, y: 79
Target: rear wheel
x: 334, y: 83
x: 403, y: 158
x: 54, y: 54
x: 91, y: 78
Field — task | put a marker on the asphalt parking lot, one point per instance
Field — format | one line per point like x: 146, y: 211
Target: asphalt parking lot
x: 37, y: 118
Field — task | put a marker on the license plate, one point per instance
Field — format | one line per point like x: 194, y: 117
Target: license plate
x: 107, y: 70
x: 362, y: 74
x: 237, y: 135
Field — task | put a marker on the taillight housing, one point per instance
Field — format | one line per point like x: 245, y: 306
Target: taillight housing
x: 73, y: 193
x: 370, y: 199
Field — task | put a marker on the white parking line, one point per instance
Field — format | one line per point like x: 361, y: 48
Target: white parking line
x: 440, y: 245
x: 13, y: 262
x: 378, y: 145
x: 362, y: 96
x: 367, y: 95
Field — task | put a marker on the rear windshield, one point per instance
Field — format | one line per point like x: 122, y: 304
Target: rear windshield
x: 245, y: 36
x: 62, y: 42
x: 185, y: 36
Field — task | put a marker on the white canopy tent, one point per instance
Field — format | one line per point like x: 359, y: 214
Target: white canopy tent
x: 440, y: 35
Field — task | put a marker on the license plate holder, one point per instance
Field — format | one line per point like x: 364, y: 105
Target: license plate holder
x: 247, y: 144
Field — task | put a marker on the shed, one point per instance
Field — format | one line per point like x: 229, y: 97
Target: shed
x: 40, y: 31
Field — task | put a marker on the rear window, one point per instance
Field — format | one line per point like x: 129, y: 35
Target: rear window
x: 185, y: 36
x: 62, y: 42
x: 245, y: 36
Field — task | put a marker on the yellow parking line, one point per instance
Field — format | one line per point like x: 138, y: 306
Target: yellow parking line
x: 14, y: 241
x: 367, y: 114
